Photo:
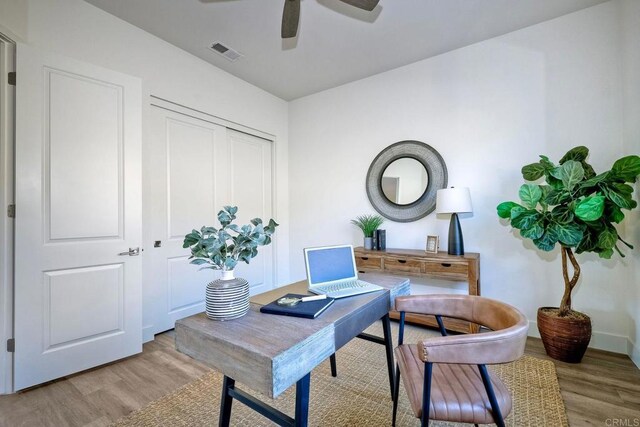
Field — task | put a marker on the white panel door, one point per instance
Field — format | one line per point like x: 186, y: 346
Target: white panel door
x: 185, y: 184
x: 78, y: 202
x: 250, y: 163
x: 192, y: 168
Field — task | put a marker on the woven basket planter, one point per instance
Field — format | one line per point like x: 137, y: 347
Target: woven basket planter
x: 564, y: 339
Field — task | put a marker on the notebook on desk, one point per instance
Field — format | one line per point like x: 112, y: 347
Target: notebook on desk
x: 308, y: 310
x: 331, y: 270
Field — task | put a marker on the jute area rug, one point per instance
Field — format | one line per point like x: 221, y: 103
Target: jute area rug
x: 359, y: 396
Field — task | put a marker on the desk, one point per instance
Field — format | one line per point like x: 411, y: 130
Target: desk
x: 270, y: 353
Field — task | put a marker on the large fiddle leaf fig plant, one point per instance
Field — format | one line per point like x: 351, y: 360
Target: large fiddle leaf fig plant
x: 222, y: 248
x: 573, y: 207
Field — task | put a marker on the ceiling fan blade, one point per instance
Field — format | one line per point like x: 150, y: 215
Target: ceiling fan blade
x: 290, y: 18
x: 368, y: 5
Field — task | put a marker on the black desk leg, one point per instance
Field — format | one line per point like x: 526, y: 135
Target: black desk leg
x: 334, y: 367
x: 225, y: 401
x: 388, y: 343
x: 302, y: 401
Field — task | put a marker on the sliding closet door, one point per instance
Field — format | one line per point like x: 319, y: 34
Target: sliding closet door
x: 78, y: 214
x: 250, y: 174
x: 184, y: 187
x: 192, y: 168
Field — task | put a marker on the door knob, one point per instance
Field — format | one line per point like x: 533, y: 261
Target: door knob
x: 131, y: 252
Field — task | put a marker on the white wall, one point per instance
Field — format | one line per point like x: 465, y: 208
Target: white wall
x: 489, y: 109
x: 79, y: 30
x: 630, y: 18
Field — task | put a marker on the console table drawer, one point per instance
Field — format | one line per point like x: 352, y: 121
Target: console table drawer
x: 447, y: 269
x: 369, y: 262
x: 406, y: 265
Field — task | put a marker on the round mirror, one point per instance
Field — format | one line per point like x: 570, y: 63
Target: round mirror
x: 404, y: 181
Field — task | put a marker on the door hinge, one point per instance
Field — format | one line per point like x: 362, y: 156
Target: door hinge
x: 11, y: 345
x: 12, y: 78
x: 11, y: 211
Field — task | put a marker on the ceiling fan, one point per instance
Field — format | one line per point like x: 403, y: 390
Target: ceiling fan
x: 291, y: 14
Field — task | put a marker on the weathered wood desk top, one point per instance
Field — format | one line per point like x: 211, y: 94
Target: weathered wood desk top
x: 269, y: 353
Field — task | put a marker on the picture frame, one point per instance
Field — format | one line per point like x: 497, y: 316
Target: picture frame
x: 432, y: 244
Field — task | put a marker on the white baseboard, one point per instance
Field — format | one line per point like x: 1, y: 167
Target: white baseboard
x: 634, y: 352
x: 599, y: 340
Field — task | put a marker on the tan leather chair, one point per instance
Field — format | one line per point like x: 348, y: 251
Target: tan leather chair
x: 449, y: 372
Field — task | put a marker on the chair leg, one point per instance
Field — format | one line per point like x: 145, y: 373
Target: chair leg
x: 334, y: 366
x: 495, y: 408
x: 426, y: 394
x: 396, y: 396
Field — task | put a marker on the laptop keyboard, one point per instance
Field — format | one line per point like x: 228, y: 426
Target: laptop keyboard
x: 336, y: 287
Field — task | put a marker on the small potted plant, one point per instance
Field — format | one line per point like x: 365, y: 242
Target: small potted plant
x: 222, y: 249
x: 368, y: 224
x: 577, y: 209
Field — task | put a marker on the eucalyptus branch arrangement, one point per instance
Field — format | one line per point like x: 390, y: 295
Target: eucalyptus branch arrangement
x: 223, y: 248
x: 368, y: 223
x: 573, y: 207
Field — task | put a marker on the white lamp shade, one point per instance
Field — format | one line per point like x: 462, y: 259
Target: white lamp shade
x: 453, y: 200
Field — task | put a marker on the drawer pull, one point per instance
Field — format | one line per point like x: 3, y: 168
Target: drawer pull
x: 402, y: 261
x: 445, y: 264
x: 364, y: 258
x: 362, y: 272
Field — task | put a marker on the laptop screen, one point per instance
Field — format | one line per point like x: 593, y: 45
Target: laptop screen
x: 330, y: 264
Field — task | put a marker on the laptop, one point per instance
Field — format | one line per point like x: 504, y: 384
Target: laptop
x: 331, y: 271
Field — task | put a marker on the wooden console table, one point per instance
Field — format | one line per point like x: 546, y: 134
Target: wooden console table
x: 414, y: 262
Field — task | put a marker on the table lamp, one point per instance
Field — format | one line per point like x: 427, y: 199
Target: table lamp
x: 454, y: 201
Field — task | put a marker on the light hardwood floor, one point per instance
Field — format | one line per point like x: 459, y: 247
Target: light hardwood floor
x: 605, y: 386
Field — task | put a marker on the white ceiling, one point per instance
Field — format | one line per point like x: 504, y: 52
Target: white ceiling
x: 336, y: 43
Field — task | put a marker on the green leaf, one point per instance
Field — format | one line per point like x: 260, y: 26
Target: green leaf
x: 571, y: 173
x: 590, y: 208
x: 526, y: 219
x: 621, y: 188
x: 627, y: 168
x: 557, y: 197
x: 504, y: 209
x: 577, y: 154
x: 534, y: 232
x: 589, y: 242
x: 592, y: 182
x: 589, y: 172
x: 606, y: 253
x: 623, y: 200
x: 567, y: 234
x: 530, y: 194
x: 608, y: 238
x: 533, y: 171
x: 612, y: 212
x: 548, y: 240
x: 553, y: 182
x: 562, y: 214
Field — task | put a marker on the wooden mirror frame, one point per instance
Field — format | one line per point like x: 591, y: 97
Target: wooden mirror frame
x: 437, y: 179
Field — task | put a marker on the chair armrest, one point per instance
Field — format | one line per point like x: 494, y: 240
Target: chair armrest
x: 501, y: 346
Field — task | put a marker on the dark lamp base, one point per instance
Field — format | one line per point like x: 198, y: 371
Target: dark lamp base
x: 456, y: 243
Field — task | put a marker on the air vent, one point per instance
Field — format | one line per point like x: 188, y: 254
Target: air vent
x: 231, y: 54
